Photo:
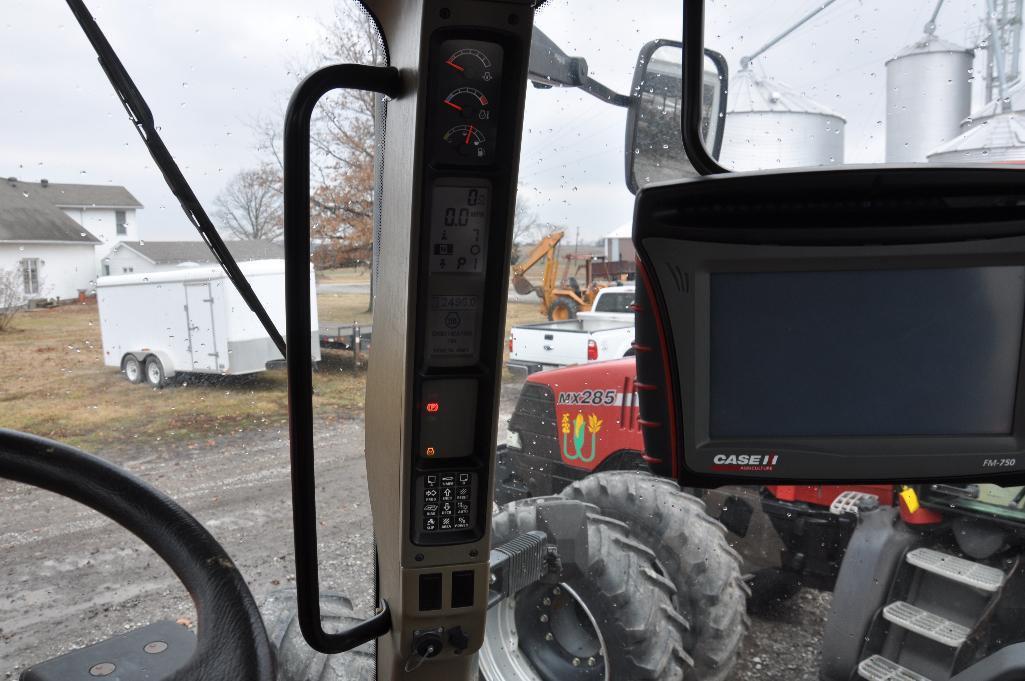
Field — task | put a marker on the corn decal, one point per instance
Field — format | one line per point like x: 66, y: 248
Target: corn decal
x: 565, y: 435
x: 593, y: 426
x: 578, y: 436
x: 578, y: 425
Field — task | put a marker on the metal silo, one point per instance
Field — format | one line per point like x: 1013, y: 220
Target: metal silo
x: 997, y: 138
x: 771, y: 125
x: 928, y: 94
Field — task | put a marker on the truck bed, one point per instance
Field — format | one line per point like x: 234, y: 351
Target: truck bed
x: 580, y: 325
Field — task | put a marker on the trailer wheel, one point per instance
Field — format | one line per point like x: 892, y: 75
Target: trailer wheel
x: 131, y: 367
x: 297, y: 661
x: 154, y: 372
x: 692, y: 551
x: 611, y: 617
x: 562, y: 308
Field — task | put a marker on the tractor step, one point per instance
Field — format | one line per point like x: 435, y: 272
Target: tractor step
x: 926, y: 624
x: 957, y: 569
x: 850, y: 501
x: 878, y: 668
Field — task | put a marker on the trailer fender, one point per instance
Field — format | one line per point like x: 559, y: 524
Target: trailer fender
x: 164, y: 357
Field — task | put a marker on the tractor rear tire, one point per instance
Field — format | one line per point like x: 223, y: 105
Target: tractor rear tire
x: 611, y: 615
x: 692, y: 551
x: 562, y: 308
x: 296, y: 661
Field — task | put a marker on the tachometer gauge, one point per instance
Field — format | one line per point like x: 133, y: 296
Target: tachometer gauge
x: 472, y: 63
x: 471, y: 103
x: 467, y: 140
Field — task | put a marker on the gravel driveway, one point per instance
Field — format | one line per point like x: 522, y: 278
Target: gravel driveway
x: 70, y: 577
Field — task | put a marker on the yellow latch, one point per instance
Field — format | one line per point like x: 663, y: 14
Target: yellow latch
x: 910, y: 498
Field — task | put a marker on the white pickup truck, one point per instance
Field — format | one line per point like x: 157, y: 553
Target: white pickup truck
x: 606, y: 332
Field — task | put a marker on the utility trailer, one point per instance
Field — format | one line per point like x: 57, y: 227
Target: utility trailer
x: 158, y: 324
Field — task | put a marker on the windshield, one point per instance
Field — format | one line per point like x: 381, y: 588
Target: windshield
x: 120, y: 334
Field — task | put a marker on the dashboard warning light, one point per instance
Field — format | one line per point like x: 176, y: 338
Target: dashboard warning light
x: 433, y: 407
x: 430, y: 451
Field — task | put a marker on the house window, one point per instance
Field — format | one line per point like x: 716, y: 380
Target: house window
x: 30, y: 276
x: 122, y: 222
x: 127, y: 270
x: 106, y: 269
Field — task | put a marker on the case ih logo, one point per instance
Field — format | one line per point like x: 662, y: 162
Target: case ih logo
x: 745, y: 462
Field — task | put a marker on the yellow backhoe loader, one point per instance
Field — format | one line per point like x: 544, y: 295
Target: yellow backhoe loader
x: 558, y: 302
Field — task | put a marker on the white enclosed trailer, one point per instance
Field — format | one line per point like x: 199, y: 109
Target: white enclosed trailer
x: 192, y: 320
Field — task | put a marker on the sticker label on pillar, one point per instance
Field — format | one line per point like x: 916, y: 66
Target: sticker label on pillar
x: 452, y: 327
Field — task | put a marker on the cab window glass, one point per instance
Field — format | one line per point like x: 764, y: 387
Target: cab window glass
x: 827, y: 84
x: 120, y: 334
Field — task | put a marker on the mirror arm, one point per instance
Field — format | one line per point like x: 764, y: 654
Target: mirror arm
x: 604, y: 93
x: 693, y: 81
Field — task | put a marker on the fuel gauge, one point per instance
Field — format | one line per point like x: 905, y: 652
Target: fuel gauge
x: 466, y: 140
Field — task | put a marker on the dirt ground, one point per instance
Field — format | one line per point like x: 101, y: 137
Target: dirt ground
x: 70, y: 577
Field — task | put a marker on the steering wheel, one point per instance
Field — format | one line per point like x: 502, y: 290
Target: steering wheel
x: 232, y: 642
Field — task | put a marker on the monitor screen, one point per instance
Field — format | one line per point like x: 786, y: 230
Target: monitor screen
x: 918, y: 352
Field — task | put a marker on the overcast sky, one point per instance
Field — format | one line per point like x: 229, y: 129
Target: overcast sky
x: 210, y: 68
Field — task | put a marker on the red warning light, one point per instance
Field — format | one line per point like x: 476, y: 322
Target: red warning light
x: 433, y: 407
x: 430, y: 451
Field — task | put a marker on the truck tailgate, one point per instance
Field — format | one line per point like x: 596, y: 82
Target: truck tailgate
x: 536, y: 344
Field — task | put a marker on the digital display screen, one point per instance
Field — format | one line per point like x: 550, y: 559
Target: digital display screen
x: 459, y: 221
x: 923, y: 352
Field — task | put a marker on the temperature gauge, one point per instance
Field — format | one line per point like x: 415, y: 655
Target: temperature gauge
x: 471, y: 103
x: 472, y: 63
x: 467, y: 140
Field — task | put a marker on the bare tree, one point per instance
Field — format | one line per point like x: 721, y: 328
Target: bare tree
x: 250, y: 206
x: 527, y: 229
x: 341, y: 145
x: 11, y: 298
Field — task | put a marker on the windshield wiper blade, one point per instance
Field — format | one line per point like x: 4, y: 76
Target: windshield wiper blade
x: 142, y: 119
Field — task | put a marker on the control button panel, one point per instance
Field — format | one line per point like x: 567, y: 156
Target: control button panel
x: 446, y: 502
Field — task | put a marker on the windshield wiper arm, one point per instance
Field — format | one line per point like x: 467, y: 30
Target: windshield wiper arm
x: 142, y: 119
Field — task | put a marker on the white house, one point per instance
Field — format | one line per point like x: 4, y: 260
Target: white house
x: 619, y: 245
x: 52, y: 255
x: 160, y: 256
x: 106, y: 211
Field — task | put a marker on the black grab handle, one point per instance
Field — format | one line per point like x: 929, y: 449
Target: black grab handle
x: 299, y: 358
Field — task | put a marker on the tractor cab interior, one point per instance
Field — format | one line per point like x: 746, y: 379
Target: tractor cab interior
x: 809, y: 465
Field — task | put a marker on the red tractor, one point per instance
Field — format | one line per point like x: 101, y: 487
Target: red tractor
x: 888, y: 552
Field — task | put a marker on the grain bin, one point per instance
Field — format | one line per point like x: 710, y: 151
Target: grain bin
x: 993, y: 139
x: 928, y: 94
x: 771, y: 125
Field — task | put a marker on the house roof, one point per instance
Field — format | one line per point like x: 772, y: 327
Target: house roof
x: 624, y: 231
x: 175, y: 252
x: 24, y: 216
x: 78, y: 195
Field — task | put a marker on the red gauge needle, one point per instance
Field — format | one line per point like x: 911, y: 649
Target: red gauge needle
x: 456, y: 66
x: 453, y: 105
x: 468, y: 133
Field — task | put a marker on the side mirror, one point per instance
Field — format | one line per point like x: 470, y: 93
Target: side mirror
x: 654, y: 143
